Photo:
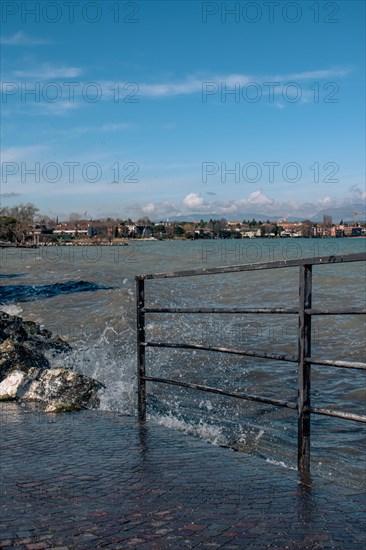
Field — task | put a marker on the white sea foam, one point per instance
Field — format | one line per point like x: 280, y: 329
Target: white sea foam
x: 213, y: 434
x: 280, y: 463
x: 11, y: 309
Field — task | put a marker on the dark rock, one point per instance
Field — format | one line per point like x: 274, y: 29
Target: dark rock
x: 30, y: 334
x: 25, y: 373
x: 15, y: 356
x: 58, y: 390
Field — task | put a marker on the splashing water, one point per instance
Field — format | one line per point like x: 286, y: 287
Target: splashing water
x: 100, y: 326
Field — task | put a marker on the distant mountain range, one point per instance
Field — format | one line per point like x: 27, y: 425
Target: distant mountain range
x: 239, y: 216
x: 345, y: 213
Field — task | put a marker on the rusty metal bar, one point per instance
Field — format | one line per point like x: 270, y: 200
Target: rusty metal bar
x: 322, y: 260
x: 341, y: 364
x: 304, y: 369
x: 274, y: 310
x: 338, y: 414
x: 277, y: 310
x: 262, y: 355
x: 246, y: 396
x: 352, y: 311
x: 304, y: 359
x: 140, y: 318
x: 245, y: 352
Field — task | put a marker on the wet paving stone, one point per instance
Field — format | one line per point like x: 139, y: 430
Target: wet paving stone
x: 94, y: 479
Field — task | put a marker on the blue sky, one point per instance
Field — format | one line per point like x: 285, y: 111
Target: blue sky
x: 129, y: 116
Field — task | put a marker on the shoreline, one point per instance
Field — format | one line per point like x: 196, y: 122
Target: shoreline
x: 127, y: 242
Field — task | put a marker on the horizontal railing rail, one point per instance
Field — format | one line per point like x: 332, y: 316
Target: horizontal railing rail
x: 246, y: 352
x: 321, y: 260
x: 304, y: 359
x: 275, y: 310
x: 278, y: 310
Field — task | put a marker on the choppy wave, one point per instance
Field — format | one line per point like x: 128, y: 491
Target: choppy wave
x: 27, y: 293
x: 13, y: 275
x: 100, y: 326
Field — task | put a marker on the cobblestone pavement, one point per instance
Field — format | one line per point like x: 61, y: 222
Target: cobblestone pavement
x: 95, y: 479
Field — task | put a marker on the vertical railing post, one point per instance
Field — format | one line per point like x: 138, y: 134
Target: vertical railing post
x: 140, y: 315
x: 304, y: 369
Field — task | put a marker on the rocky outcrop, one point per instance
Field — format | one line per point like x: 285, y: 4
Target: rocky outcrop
x: 30, y: 335
x: 15, y: 356
x: 26, y: 374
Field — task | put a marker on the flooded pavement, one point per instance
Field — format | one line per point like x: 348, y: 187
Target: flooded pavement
x: 96, y: 479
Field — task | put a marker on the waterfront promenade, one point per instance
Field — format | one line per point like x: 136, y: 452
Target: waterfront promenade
x: 102, y: 480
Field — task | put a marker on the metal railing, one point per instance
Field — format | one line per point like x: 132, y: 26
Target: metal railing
x: 305, y: 312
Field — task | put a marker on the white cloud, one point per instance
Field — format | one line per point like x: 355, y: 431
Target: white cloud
x: 227, y: 207
x: 20, y: 154
x: 149, y: 208
x: 320, y: 74
x: 194, y: 201
x: 114, y: 126
x: 236, y: 209
x: 188, y: 86
x: 159, y: 210
x: 108, y: 127
x: 22, y: 39
x: 325, y: 201
x: 9, y: 195
x: 257, y: 197
x: 47, y: 71
x: 256, y: 203
x: 193, y: 84
x: 59, y: 108
x: 357, y: 192
x: 134, y: 91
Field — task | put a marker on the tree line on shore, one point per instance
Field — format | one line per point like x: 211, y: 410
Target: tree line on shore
x: 22, y: 223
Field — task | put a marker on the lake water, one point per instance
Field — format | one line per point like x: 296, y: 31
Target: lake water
x: 86, y: 295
